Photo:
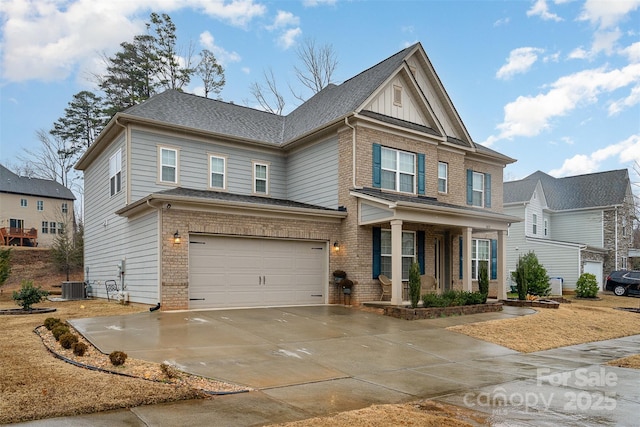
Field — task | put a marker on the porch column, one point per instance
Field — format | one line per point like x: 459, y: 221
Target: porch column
x: 502, y: 265
x: 396, y: 262
x: 466, y: 257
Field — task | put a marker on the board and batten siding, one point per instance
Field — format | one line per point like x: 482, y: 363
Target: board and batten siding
x: 104, y: 231
x: 313, y: 174
x: 193, y: 165
x: 578, y: 226
x: 407, y: 110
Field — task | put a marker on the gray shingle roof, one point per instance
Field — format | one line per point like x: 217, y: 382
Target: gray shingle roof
x: 12, y: 183
x: 573, y: 192
x: 326, y: 106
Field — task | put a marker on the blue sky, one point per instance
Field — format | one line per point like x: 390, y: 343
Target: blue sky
x: 553, y: 84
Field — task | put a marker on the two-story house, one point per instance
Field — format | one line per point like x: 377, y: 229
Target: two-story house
x: 198, y: 203
x: 576, y: 224
x: 33, y: 211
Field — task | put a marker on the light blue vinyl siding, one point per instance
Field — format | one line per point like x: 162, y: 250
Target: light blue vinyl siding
x: 583, y: 227
x: 313, y: 174
x: 194, y: 165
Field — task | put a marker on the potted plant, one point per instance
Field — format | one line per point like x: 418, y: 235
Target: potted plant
x: 339, y: 276
x: 346, y: 286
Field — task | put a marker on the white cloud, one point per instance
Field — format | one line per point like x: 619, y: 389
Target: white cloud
x: 289, y: 37
x: 502, y: 21
x: 50, y: 40
x: 607, y: 14
x: 627, y: 151
x: 520, y: 61
x: 223, y: 56
x: 632, y: 52
x: 540, y: 8
x: 314, y: 3
x: 530, y: 115
x: 284, y: 19
x: 624, y: 103
x: 578, y: 53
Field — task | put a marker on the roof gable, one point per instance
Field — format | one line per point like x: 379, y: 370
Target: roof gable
x: 600, y: 189
x: 12, y: 183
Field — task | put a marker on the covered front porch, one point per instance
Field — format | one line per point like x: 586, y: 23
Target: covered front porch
x: 446, y: 240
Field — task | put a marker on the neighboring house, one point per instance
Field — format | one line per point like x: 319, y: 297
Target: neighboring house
x: 577, y: 224
x: 208, y: 204
x: 32, y: 210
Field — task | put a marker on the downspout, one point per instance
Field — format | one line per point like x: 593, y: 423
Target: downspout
x: 616, y: 238
x: 353, y: 151
x: 159, y: 249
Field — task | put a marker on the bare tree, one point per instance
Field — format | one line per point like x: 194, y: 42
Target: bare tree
x: 269, y: 97
x: 318, y: 65
x: 211, y: 73
x: 53, y: 160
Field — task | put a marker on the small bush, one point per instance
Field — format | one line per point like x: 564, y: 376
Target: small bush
x: 29, y: 295
x: 79, y: 348
x: 414, y: 284
x: 587, y: 286
x: 483, y: 280
x: 476, y: 298
x: 169, y: 370
x: 453, y: 298
x: 433, y: 300
x: 531, y: 277
x: 51, y: 322
x: 59, y: 330
x: 67, y: 340
x: 117, y: 358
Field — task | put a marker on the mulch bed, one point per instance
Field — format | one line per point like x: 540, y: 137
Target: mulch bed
x: 20, y: 311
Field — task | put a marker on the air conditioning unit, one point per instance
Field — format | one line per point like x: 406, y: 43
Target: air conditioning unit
x: 73, y: 290
x: 556, y: 285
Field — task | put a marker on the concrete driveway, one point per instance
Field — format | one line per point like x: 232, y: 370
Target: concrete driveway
x: 312, y: 361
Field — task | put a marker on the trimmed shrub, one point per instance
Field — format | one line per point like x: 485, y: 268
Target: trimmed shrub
x: 51, y: 322
x: 587, y: 286
x: 453, y: 298
x: 79, y: 348
x: 117, y: 358
x: 531, y: 277
x: 414, y: 284
x: 169, y: 370
x: 59, y: 330
x: 67, y: 340
x: 433, y: 300
x: 483, y: 280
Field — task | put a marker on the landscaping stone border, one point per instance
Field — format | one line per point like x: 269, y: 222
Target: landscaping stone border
x: 545, y: 303
x: 408, y: 313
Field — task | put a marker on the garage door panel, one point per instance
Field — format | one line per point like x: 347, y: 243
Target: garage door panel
x: 243, y: 272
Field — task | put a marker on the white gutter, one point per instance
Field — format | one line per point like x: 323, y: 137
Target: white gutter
x: 353, y: 151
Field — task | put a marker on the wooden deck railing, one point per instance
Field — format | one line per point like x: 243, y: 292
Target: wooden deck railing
x: 18, y: 236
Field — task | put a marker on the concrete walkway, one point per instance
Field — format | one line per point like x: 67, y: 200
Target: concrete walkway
x: 312, y: 361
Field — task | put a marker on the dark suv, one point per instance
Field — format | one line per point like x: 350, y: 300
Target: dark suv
x: 624, y: 282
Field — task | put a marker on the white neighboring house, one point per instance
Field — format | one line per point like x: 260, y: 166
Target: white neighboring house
x: 576, y: 224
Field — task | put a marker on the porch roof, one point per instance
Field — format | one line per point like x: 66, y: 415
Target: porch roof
x: 427, y: 210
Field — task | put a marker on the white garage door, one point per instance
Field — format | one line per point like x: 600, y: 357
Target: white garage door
x: 245, y: 272
x: 594, y: 268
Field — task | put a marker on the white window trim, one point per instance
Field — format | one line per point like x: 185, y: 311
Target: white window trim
x: 176, y: 181
x: 40, y: 205
x: 445, y: 178
x: 397, y: 171
x: 534, y: 224
x: 474, y: 190
x: 475, y: 260
x: 24, y: 203
x: 546, y: 227
x: 267, y: 165
x: 224, y: 171
x: 52, y: 228
x: 45, y: 227
x: 413, y: 256
x: 115, y: 173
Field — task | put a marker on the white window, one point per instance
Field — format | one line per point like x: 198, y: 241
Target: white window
x: 60, y: 228
x: 65, y: 208
x: 479, y: 253
x: 217, y: 168
x: 23, y: 203
x: 534, y: 224
x: 168, y: 165
x: 398, y: 170
x: 115, y: 173
x: 443, y: 174
x: 260, y: 178
x: 397, y: 96
x: 408, y: 252
x: 546, y: 227
x: 478, y: 189
x: 40, y: 205
x: 45, y: 227
x: 52, y: 227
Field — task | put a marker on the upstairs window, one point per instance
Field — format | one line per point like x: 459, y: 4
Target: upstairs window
x: 443, y: 174
x: 115, y: 173
x: 546, y: 227
x: 478, y: 189
x: 398, y: 170
x: 45, y: 227
x: 534, y: 221
x: 168, y: 165
x: 23, y: 203
x: 65, y: 208
x: 260, y: 178
x: 60, y: 228
x: 52, y: 227
x: 40, y: 205
x: 217, y: 168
